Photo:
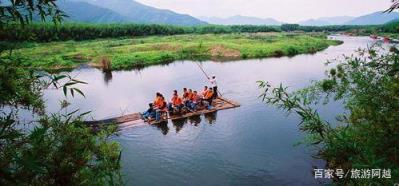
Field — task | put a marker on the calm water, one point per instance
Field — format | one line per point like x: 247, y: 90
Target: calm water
x: 250, y: 145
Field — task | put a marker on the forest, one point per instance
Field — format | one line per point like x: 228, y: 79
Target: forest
x: 46, y: 32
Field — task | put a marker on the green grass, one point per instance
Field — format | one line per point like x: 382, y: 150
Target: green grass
x: 144, y: 51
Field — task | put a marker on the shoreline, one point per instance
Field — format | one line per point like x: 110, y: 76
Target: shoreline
x: 122, y: 54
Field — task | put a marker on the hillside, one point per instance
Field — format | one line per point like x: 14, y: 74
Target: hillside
x: 377, y: 18
x: 241, y: 20
x: 88, y: 13
x: 323, y: 21
x: 135, y: 12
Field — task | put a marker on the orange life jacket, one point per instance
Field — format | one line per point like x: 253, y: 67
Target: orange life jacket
x: 209, y: 95
x: 163, y: 106
x: 196, y: 98
x: 203, y: 93
x: 176, y: 100
x: 158, y: 102
x: 192, y: 97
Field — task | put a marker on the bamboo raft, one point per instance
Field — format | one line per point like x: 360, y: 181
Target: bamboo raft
x: 217, y: 104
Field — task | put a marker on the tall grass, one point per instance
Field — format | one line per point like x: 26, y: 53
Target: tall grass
x: 144, y: 51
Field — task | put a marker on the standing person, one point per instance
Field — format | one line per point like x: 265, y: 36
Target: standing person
x: 213, y: 82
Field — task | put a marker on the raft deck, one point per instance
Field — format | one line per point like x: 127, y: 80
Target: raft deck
x: 217, y: 104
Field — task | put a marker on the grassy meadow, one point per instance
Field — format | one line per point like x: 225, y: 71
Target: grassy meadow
x: 124, y: 53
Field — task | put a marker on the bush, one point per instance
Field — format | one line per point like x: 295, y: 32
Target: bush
x: 58, y: 149
x: 366, y: 135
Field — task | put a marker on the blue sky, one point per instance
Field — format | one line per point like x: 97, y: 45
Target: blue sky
x: 283, y: 10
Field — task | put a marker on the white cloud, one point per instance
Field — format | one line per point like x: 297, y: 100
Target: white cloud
x: 284, y: 10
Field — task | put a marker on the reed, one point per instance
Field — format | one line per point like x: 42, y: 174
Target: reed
x: 106, y: 64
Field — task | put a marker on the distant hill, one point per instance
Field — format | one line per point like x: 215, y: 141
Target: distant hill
x: 88, y: 13
x: 240, y: 20
x: 337, y: 20
x: 135, y: 12
x: 323, y: 21
x: 314, y: 22
x: 396, y: 21
x: 377, y: 18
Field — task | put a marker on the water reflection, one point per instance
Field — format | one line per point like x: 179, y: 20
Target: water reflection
x: 179, y: 124
x: 195, y: 120
x: 107, y: 76
x: 211, y: 117
x: 163, y: 127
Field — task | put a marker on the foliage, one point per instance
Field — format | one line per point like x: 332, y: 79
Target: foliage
x: 367, y: 134
x: 18, y: 87
x: 144, y: 51
x: 23, y: 11
x: 74, y: 31
x: 60, y: 149
x: 394, y: 6
x: 45, y: 32
x: 289, y: 27
x: 57, y: 149
x: 391, y: 27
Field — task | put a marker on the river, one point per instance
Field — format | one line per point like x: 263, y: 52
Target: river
x: 249, y: 145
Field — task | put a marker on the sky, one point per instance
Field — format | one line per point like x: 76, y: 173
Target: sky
x: 282, y: 10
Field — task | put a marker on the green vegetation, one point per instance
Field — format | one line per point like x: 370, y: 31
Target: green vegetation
x: 366, y: 135
x: 74, y: 31
x: 390, y: 30
x: 54, y: 148
x: 78, y: 32
x: 144, y: 51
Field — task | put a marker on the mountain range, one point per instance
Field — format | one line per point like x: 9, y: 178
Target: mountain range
x: 87, y: 13
x: 375, y: 18
x: 130, y: 11
x: 122, y: 11
x: 323, y: 21
x: 240, y: 20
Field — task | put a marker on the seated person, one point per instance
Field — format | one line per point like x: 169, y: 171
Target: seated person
x: 208, y: 98
x: 161, y: 108
x: 159, y: 99
x: 205, y: 91
x: 185, y: 93
x: 195, y: 101
x: 163, y: 105
x: 177, y: 103
x: 150, y: 113
x: 188, y: 100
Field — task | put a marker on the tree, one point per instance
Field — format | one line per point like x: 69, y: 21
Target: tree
x: 289, y: 27
x: 395, y: 5
x: 59, y: 148
x: 366, y: 135
x: 23, y: 11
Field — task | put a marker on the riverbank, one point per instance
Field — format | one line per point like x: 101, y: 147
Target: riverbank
x: 144, y: 51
